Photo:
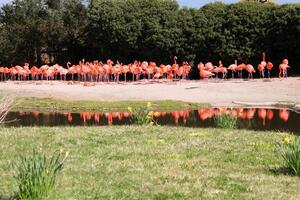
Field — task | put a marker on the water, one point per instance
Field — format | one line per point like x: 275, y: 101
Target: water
x: 251, y: 118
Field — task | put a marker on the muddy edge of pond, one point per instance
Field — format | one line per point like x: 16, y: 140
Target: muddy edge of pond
x: 276, y: 105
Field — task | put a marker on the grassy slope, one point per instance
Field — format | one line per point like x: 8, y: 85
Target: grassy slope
x: 53, y: 105
x: 155, y: 162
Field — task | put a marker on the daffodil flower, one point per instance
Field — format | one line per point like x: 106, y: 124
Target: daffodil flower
x: 129, y: 109
x: 287, y: 140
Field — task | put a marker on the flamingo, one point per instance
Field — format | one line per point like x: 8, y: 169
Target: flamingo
x: 240, y: 69
x: 96, y: 71
x: 175, y: 66
x: 209, y: 67
x: 6, y: 73
x: 262, y: 65
x: 204, y: 73
x: 186, y: 70
x: 250, y: 69
x: 233, y: 68
x: 283, y: 67
x: 269, y: 68
x: 221, y: 69
x: 26, y: 71
x: 158, y: 74
x: 2, y: 74
x: 71, y: 70
x: 125, y: 70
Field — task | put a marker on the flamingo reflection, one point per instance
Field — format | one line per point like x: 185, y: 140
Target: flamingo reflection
x: 203, y: 114
x: 284, y: 115
x: 270, y: 114
x: 262, y: 113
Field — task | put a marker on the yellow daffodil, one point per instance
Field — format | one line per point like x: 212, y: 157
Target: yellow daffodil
x: 149, y: 104
x: 287, y: 140
x: 129, y: 109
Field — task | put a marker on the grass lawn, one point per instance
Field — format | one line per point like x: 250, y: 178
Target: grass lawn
x: 131, y: 162
x: 54, y: 105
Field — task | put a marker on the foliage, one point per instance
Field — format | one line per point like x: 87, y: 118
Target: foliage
x: 142, y: 115
x: 290, y: 152
x: 36, y: 175
x: 259, y: 1
x: 225, y: 121
x: 154, y: 30
x: 6, y: 104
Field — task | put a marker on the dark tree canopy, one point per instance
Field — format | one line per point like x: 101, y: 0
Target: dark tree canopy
x: 153, y: 30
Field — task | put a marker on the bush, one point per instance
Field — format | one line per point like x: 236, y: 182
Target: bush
x: 142, y: 116
x: 290, y: 152
x: 225, y: 121
x: 36, y: 175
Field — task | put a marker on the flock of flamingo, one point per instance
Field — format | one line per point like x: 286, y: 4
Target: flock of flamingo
x: 176, y: 116
x: 209, y: 70
x: 97, y: 71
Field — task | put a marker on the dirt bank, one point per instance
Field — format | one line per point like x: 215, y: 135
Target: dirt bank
x: 215, y: 92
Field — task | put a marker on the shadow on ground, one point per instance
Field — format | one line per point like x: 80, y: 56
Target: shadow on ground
x: 277, y: 171
x: 8, y: 198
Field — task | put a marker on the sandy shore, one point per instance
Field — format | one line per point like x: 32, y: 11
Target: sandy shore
x: 215, y: 92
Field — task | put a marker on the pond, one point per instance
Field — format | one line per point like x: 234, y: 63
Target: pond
x: 247, y: 118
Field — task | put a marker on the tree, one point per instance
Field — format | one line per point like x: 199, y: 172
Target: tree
x: 284, y: 35
x: 31, y: 26
x: 74, y: 39
x: 215, y: 43
x: 260, y: 1
x: 134, y: 29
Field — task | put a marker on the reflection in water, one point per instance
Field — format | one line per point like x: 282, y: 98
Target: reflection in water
x: 284, y: 115
x: 270, y: 114
x: 250, y: 118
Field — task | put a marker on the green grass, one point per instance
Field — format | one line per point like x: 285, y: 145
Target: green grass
x: 53, y: 105
x: 225, y: 121
x: 131, y: 162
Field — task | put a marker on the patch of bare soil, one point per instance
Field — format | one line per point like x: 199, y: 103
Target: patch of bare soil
x: 215, y: 92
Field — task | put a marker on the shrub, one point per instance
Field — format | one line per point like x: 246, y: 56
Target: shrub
x: 142, y: 115
x: 5, y: 106
x: 290, y: 152
x: 225, y: 121
x: 36, y: 175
